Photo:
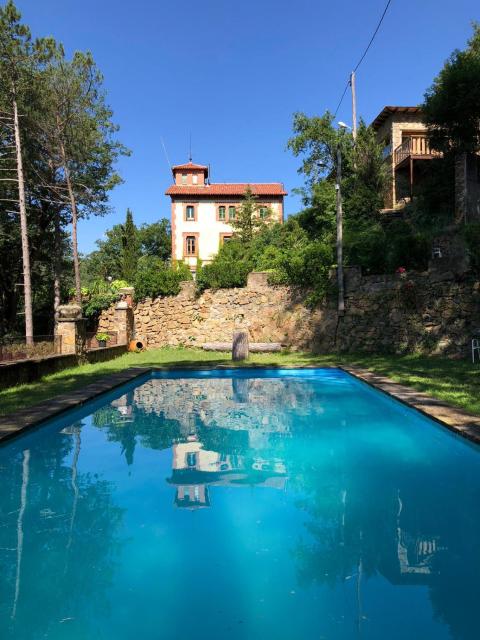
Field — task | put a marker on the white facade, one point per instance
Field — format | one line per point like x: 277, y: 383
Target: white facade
x: 201, y: 211
x: 206, y: 228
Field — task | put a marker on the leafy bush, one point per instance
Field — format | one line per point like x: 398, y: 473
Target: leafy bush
x: 471, y: 234
x: 102, y: 337
x: 118, y: 284
x: 97, y: 303
x: 154, y: 278
x: 230, y: 268
x: 283, y: 250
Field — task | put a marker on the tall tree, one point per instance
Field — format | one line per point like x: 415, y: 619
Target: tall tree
x: 81, y: 138
x: 156, y: 239
x: 452, y: 104
x: 130, y: 249
x: 16, y: 68
x: 152, y: 241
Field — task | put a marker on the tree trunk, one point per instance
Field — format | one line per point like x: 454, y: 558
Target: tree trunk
x: 21, y: 514
x: 240, y: 346
x: 57, y: 267
x: 27, y: 284
x: 73, y: 204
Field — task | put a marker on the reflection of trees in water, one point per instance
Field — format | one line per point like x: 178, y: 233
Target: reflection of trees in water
x: 363, y: 521
x: 67, y: 544
x: 370, y: 523
x: 222, y: 413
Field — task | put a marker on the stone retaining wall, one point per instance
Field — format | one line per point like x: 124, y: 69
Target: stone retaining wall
x: 435, y: 312
x: 24, y: 371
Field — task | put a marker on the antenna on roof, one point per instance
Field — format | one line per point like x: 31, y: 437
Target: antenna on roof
x: 166, y: 154
x: 190, y: 149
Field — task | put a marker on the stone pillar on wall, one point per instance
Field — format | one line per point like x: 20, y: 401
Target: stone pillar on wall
x: 71, y: 329
x: 127, y: 294
x: 123, y: 322
x: 123, y: 316
x: 257, y: 280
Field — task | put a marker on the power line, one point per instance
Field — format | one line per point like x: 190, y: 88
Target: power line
x: 389, y: 2
x: 341, y: 99
x: 374, y: 34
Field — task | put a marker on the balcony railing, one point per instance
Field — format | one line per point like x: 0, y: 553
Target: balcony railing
x: 414, y: 147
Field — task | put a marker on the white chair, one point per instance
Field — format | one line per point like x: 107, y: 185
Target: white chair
x: 475, y: 348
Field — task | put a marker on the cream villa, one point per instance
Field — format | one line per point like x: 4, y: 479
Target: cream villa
x: 202, y: 212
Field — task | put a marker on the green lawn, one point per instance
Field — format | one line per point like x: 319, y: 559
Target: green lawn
x: 456, y: 382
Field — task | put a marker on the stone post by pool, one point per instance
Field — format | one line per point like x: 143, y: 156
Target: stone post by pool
x: 123, y: 316
x: 240, y: 346
x: 71, y: 328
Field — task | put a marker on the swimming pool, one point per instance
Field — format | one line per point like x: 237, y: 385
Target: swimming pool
x: 242, y: 504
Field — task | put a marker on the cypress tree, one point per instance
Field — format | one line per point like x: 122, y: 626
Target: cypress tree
x: 130, y: 248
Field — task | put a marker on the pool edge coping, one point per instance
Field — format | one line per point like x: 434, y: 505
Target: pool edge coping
x: 457, y: 420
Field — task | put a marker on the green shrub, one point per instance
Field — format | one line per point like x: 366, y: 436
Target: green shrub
x: 102, y: 337
x: 118, y: 284
x: 471, y: 234
x: 230, y: 268
x: 97, y: 303
x: 155, y: 278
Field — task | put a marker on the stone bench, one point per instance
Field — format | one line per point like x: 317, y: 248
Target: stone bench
x: 254, y: 347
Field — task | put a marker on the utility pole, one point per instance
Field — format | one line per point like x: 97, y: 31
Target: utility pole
x: 341, y: 294
x: 354, y: 106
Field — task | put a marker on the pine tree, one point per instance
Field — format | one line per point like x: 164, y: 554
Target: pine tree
x: 16, y: 57
x: 130, y: 249
x: 248, y: 219
x: 79, y: 135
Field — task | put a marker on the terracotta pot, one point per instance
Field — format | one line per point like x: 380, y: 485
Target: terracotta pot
x: 136, y: 345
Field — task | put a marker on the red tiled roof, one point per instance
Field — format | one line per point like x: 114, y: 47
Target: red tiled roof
x: 225, y: 189
x: 189, y: 165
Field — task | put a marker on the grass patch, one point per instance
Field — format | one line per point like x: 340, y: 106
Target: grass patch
x: 455, y: 382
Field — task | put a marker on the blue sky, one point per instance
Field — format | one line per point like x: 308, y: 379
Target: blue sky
x: 232, y: 75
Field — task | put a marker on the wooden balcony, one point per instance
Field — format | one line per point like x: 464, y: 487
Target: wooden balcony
x: 414, y: 148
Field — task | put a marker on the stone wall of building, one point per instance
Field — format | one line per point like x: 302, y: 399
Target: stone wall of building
x: 434, y: 312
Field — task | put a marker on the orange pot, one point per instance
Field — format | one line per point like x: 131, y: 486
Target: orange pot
x: 136, y: 345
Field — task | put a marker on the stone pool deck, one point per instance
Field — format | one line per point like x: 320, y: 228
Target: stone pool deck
x: 457, y: 420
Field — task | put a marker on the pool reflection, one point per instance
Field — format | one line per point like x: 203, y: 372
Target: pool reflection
x: 335, y: 497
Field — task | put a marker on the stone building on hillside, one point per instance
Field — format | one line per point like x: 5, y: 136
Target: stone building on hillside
x: 403, y: 134
x: 202, y: 212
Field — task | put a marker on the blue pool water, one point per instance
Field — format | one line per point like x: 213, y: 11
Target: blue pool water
x: 241, y: 505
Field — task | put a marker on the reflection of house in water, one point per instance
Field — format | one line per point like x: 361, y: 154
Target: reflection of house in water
x: 415, y: 552
x: 415, y: 555
x: 248, y: 405
x: 195, y: 469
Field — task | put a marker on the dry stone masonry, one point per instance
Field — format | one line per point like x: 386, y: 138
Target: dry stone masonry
x: 433, y: 312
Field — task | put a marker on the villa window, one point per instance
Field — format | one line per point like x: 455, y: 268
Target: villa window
x: 222, y: 213
x: 184, y: 178
x: 191, y: 245
x: 195, y: 179
x: 190, y: 212
x: 263, y: 212
x: 191, y: 459
x: 231, y: 213
x: 225, y: 237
